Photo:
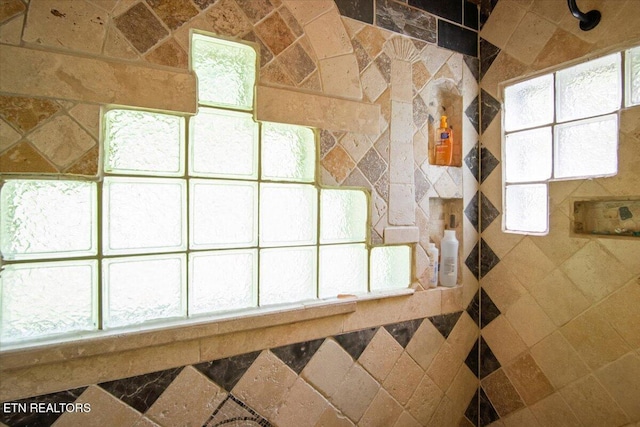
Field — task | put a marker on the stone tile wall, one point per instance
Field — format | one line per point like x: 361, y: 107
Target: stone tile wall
x: 559, y: 313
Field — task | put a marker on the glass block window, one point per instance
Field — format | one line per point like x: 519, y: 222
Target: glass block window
x: 559, y: 126
x: 194, y: 216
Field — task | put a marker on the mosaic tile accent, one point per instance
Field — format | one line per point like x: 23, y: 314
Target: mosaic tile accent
x: 488, y: 111
x: 488, y: 212
x: 140, y: 27
x: 227, y: 372
x: 296, y: 356
x: 383, y: 62
x: 275, y: 33
x: 488, y: 258
x: 372, y: 165
x: 37, y: 419
x: 473, y: 64
x: 362, y: 57
x: 403, y: 331
x: 472, y: 161
x: 233, y: 412
x: 488, y: 54
x: 362, y: 10
x: 402, y: 19
x: 173, y: 14
x: 354, y: 343
x: 488, y: 163
x: 422, y: 185
x: 297, y: 63
x: 327, y: 142
x: 473, y: 113
x: 445, y: 323
x: 459, y: 39
x: 471, y: 211
x: 140, y: 392
x: 420, y: 112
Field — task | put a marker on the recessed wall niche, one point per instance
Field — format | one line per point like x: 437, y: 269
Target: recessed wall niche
x: 446, y: 100
x: 607, y: 217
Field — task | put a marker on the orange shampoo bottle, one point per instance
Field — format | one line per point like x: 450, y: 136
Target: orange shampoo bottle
x: 444, y: 144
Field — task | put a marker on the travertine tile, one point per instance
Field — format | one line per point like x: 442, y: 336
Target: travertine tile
x: 558, y: 245
x: 622, y: 380
x: 464, y: 386
x: 595, y: 271
x: 528, y: 39
x: 425, y: 344
x: 373, y: 84
x: 592, y: 404
x: 297, y: 63
x: 328, y: 367
x: 11, y: 32
x: 22, y: 157
x: 559, y: 297
x: 308, y: 10
x: 463, y: 335
x: 338, y: 163
x: 116, y: 45
x: 88, y: 115
x: 553, y: 411
x: 529, y: 320
x: 558, y: 360
x: 553, y: 11
x: 425, y: 400
x: 502, y: 23
x: 503, y: 287
x: 523, y: 257
x: 401, y: 81
x: 62, y: 141
x: 227, y: 19
x: 401, y: 204
x: 403, y: 378
x: 503, y: 68
x: 621, y: 311
x: 255, y: 9
x: 328, y: 36
x: 444, y: 367
x: 173, y: 14
x: 501, y: 393
x: 24, y: 114
x: 189, y: 400
x: 303, y: 406
x: 446, y: 414
x: 406, y: 420
x: 170, y: 54
x: 10, y: 8
x: 356, y: 392
x: 521, y: 418
x: 356, y: 144
x: 561, y: 47
x: 528, y: 379
x: 275, y: 33
x: 383, y: 411
x: 332, y: 418
x: 382, y: 353
x: 265, y: 384
x: 105, y: 410
x: 8, y: 135
x: 504, y: 341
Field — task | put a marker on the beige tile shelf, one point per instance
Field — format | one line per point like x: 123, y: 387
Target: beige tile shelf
x: 617, y: 217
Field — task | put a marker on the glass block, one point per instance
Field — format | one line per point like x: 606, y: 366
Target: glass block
x: 288, y: 152
x: 41, y: 300
x: 527, y: 155
x: 226, y: 72
x: 529, y: 104
x: 589, y: 89
x: 287, y: 275
x: 142, y: 289
x: 633, y: 76
x: 343, y: 215
x: 343, y: 270
x: 144, y: 215
x: 223, y: 213
x: 139, y: 142
x: 222, y: 281
x: 587, y: 148
x: 47, y: 219
x: 288, y: 214
x: 390, y: 268
x: 223, y: 144
x: 526, y: 208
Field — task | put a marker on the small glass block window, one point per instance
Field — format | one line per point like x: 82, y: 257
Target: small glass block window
x: 390, y: 268
x: 288, y: 275
x: 143, y: 215
x: 589, y: 89
x: 139, y: 142
x: 587, y: 148
x: 633, y: 76
x: 143, y: 289
x: 288, y: 214
x: 526, y: 208
x: 226, y: 72
x: 222, y: 281
x: 47, y: 219
x: 224, y: 213
x: 528, y: 155
x: 529, y: 104
x: 288, y: 153
x: 343, y: 216
x: 224, y: 144
x: 343, y: 270
x: 47, y: 299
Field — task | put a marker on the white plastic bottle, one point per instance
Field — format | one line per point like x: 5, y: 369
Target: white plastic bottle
x: 449, y: 264
x: 432, y: 253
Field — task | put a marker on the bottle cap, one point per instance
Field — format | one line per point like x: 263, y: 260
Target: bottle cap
x: 443, y: 122
x: 431, y: 245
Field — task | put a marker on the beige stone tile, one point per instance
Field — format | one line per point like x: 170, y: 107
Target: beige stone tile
x: 558, y: 360
x: 189, y: 400
x: 117, y: 46
x: 501, y: 393
x: 462, y: 388
x: 628, y: 176
x: 452, y: 298
x: 558, y: 245
x: 11, y: 32
x: 529, y: 320
x: 309, y: 9
x: 106, y: 410
x: 145, y: 422
x: 10, y: 8
x: 8, y: 135
x: 521, y: 418
x: 265, y: 384
x: 406, y: 420
x: 528, y: 262
x: 621, y: 311
x: 463, y: 335
x: 503, y: 287
x: 382, y: 353
x: 615, y: 32
x: 401, y: 204
x: 328, y: 367
x: 609, y: 20
x: 592, y: 404
x: 444, y: 367
x: 69, y: 28
x: 595, y: 271
x: 528, y: 379
x: 356, y: 392
x: 303, y: 406
x: 333, y: 418
x: 356, y: 144
x: 625, y: 251
x: 596, y: 342
x: 622, y: 380
x: 504, y: 341
x: 553, y: 411
x: 528, y: 39
x: 88, y: 115
x: 551, y: 10
x: 446, y: 414
x: 373, y: 84
x: 561, y: 47
x: 425, y: 344
x: 559, y: 297
x: 403, y: 378
x: 328, y: 36
x: 338, y: 163
x: 425, y: 400
x: 340, y: 76
x: 502, y: 23
x: 384, y: 411
x: 401, y: 81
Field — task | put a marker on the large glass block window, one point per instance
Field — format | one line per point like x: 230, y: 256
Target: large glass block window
x: 194, y: 216
x: 559, y: 126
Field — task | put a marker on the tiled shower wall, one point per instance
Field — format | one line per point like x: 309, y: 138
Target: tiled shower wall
x: 402, y: 361
x: 561, y: 336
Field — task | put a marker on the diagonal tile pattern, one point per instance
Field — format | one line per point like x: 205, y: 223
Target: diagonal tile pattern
x: 488, y: 212
x: 296, y: 356
x: 232, y: 411
x: 355, y: 342
x: 403, y: 331
x: 488, y: 163
x: 445, y: 323
x: 488, y: 111
x: 227, y: 372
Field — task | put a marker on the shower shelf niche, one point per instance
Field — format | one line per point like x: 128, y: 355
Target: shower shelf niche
x: 613, y: 217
